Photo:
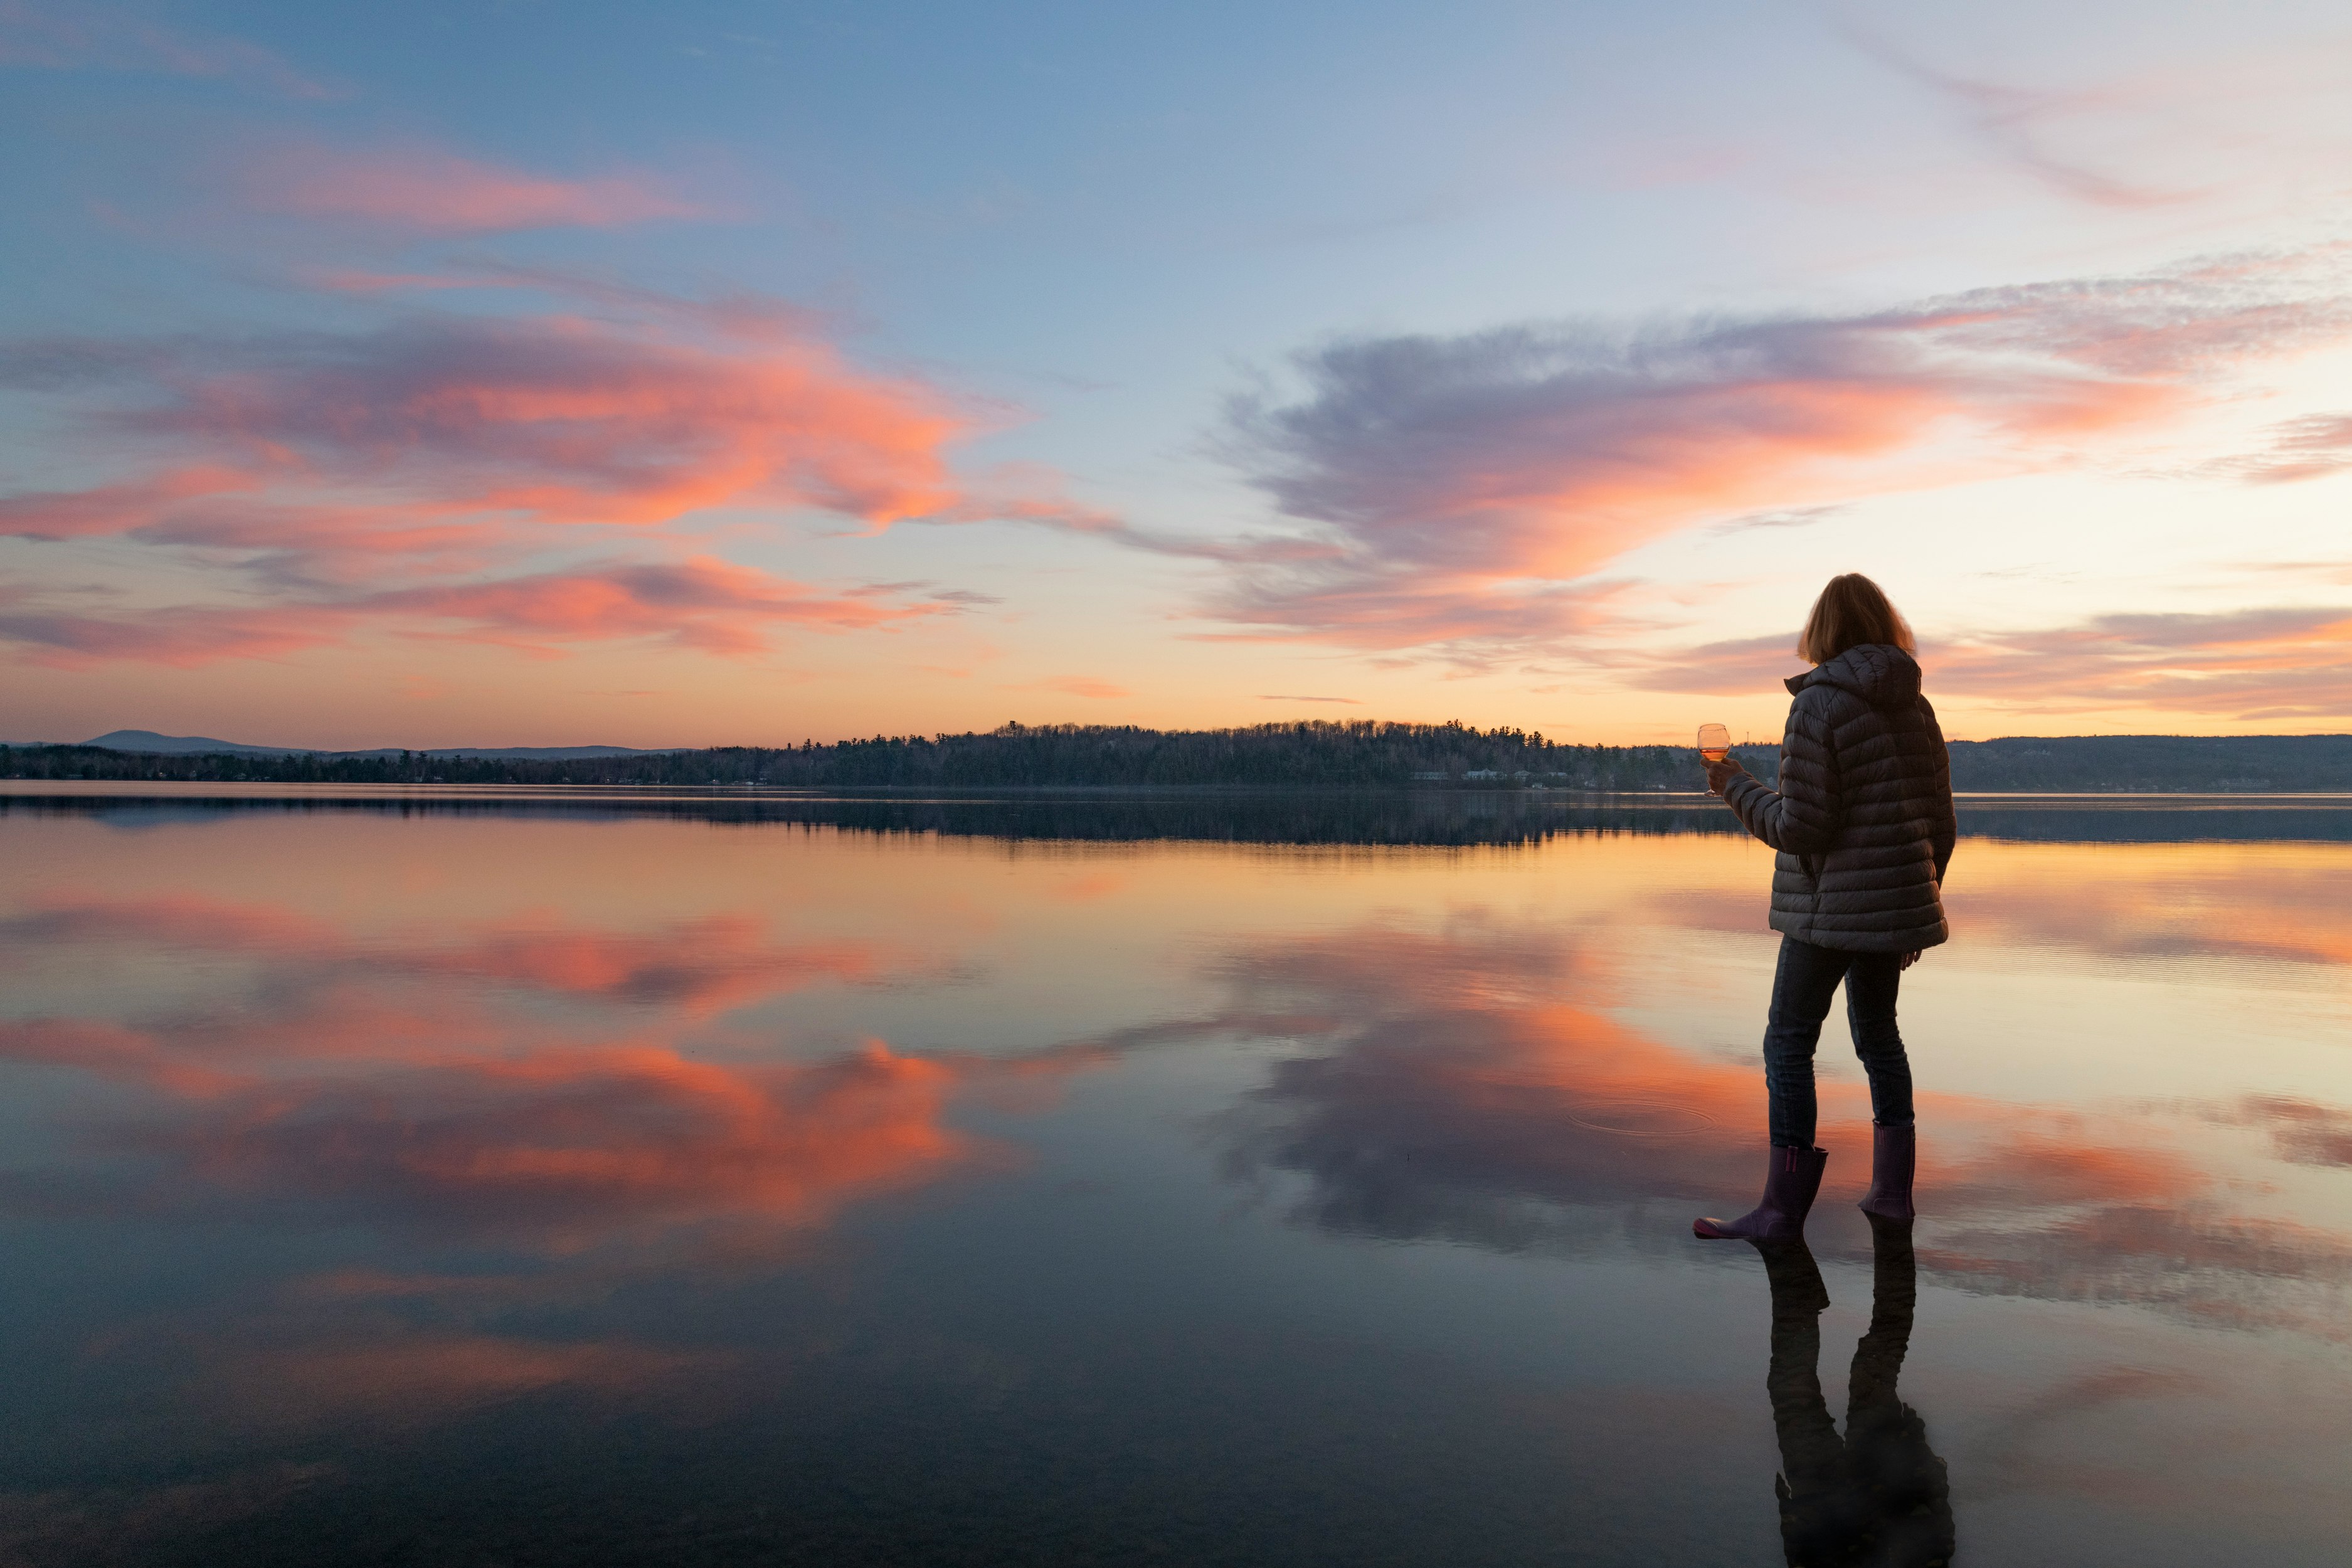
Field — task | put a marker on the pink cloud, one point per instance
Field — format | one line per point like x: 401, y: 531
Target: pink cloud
x: 309, y: 546
x: 1466, y: 489
x: 109, y: 1050
x: 696, y: 967
x: 114, y: 508
x: 564, y: 420
x: 715, y: 606
x: 407, y: 478
x: 181, y: 636
x: 660, y: 408
x: 706, y: 603
x: 441, y: 193
x: 2284, y: 662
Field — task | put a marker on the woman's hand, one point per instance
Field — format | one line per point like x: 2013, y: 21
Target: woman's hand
x: 1720, y: 774
x: 1909, y: 960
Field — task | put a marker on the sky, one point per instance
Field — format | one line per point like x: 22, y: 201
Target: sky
x: 527, y: 373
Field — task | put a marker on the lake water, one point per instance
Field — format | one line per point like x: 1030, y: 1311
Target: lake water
x: 581, y: 1179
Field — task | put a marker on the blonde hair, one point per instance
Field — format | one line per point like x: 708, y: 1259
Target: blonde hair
x: 1852, y: 611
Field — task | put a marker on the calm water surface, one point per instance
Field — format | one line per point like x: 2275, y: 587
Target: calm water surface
x: 575, y: 1181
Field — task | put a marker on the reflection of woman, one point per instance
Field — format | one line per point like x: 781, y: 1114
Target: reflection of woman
x: 1863, y: 823
x: 1880, y: 1496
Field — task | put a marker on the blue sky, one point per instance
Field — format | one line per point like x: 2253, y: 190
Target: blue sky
x: 532, y: 373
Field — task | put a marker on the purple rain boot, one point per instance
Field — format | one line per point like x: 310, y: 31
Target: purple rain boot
x: 1789, y: 1183
x: 1894, y: 1155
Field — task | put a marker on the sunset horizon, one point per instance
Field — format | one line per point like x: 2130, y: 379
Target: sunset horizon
x: 491, y: 383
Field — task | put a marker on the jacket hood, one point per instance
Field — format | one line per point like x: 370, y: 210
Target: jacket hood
x: 1879, y: 673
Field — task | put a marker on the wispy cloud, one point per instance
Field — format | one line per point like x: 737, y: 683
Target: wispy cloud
x: 184, y: 636
x: 699, y: 966
x: 710, y: 606
x: 735, y: 315
x: 437, y: 192
x: 1795, y: 517
x: 2277, y: 663
x: 2311, y: 448
x: 2024, y: 125
x: 117, y: 507
x: 1467, y: 488
x: 1737, y: 665
x: 94, y: 37
x: 714, y: 605
x: 2280, y: 662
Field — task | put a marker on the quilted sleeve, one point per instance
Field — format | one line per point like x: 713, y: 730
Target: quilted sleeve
x: 1801, y: 816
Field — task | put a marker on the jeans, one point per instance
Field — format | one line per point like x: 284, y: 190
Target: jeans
x: 1807, y: 978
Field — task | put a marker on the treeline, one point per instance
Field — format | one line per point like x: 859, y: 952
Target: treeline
x: 1363, y: 754
x: 1458, y: 818
x: 2096, y: 764
x: 1432, y: 818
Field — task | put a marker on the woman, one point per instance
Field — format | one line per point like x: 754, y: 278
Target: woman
x: 1863, y: 823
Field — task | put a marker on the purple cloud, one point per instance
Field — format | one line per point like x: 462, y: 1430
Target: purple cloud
x: 1467, y: 488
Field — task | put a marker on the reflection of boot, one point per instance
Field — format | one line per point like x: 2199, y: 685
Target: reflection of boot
x: 1814, y: 1498
x: 1789, y: 1183
x: 1893, y: 1297
x: 1903, y: 1492
x: 1894, y: 1155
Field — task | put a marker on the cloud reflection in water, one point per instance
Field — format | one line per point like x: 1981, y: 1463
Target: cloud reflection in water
x: 1445, y: 1092
x: 433, y: 1089
x: 701, y: 1135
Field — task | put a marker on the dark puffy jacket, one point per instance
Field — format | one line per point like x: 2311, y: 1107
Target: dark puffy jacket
x: 1862, y: 818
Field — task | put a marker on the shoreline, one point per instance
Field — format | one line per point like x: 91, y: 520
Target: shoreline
x: 253, y: 789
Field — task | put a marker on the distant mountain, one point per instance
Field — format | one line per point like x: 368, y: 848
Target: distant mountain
x: 176, y: 745
x: 148, y: 741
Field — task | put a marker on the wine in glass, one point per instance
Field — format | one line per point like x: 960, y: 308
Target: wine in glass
x: 1714, y: 740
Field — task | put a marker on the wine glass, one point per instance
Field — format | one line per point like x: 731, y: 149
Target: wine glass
x: 1714, y: 740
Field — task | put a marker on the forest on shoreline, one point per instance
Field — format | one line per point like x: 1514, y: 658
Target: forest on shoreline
x: 1323, y: 754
